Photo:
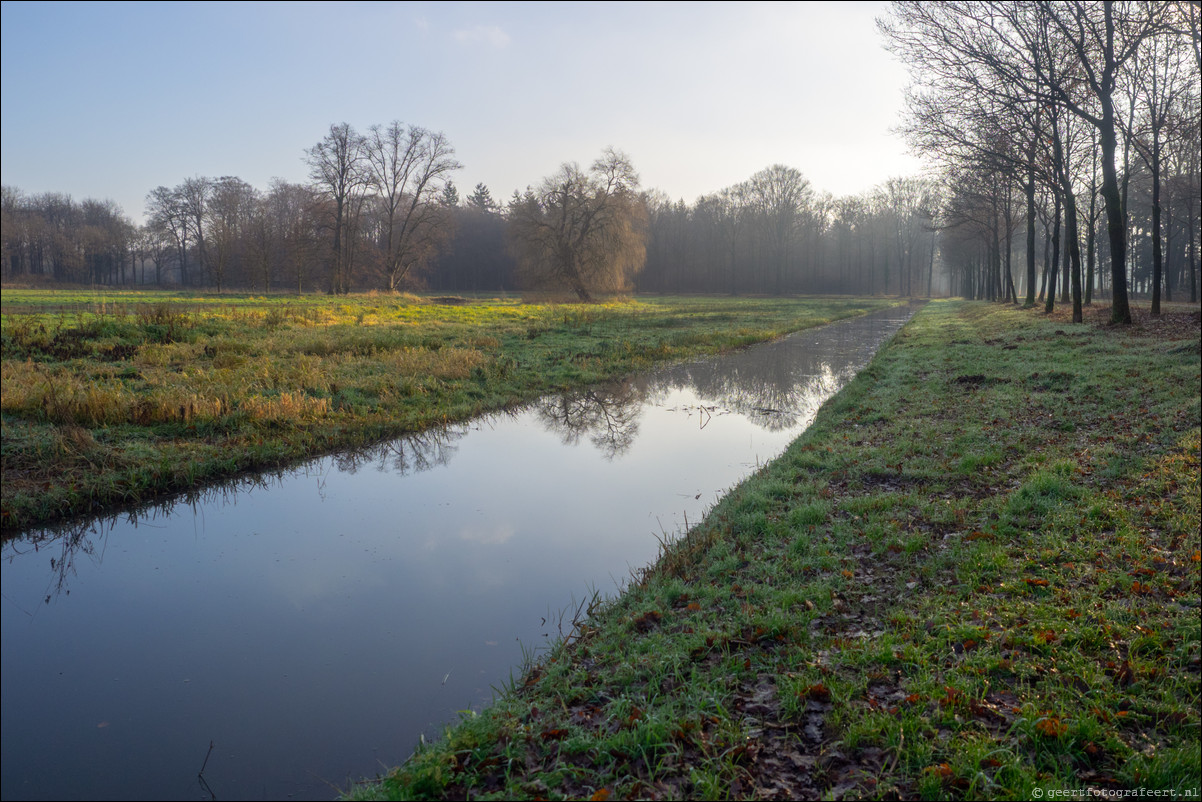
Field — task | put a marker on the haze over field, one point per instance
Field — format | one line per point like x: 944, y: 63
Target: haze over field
x: 441, y: 248
x: 109, y: 100
x: 608, y: 147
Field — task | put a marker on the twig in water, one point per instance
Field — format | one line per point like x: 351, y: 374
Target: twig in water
x: 200, y: 775
x: 202, y: 765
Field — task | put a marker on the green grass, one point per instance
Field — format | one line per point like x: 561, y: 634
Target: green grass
x: 113, y: 398
x: 977, y: 575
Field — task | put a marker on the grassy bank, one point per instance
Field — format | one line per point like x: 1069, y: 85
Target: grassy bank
x: 113, y: 398
x: 975, y: 576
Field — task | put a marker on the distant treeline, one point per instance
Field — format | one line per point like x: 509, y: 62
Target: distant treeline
x: 381, y: 212
x: 772, y: 234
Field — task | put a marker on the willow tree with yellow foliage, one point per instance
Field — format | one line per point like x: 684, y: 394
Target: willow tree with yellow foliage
x: 583, y: 232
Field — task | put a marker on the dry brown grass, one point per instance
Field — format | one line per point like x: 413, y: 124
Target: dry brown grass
x: 288, y: 406
x: 443, y: 363
x: 57, y: 396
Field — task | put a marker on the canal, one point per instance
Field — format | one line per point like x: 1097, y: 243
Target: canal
x: 295, y: 631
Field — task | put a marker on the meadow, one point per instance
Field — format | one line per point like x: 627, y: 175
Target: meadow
x: 977, y: 575
x: 113, y: 398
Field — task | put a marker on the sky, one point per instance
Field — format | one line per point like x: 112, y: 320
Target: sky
x: 109, y: 100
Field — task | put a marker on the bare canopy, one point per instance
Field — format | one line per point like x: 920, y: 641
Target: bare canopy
x: 582, y: 231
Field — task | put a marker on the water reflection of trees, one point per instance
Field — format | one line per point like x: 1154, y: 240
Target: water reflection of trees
x: 777, y: 386
x: 412, y: 453
x: 774, y: 403
x: 607, y: 415
x: 68, y: 542
x: 63, y: 548
x: 71, y: 541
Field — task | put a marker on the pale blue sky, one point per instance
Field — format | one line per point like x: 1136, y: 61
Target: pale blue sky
x: 109, y: 100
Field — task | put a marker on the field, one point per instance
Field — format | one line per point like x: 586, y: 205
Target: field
x: 112, y: 398
x: 975, y: 576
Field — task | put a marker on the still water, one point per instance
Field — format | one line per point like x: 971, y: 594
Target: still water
x: 312, y: 624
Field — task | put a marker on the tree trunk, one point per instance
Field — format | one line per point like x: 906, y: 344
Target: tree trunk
x: 1090, y: 235
x: 1065, y: 258
x: 1031, y: 233
x: 1168, y: 253
x: 1191, y: 256
x: 1116, y: 224
x: 1157, y: 254
x: 1047, y: 244
x: 1053, y: 268
x: 931, y: 266
x: 1074, y: 249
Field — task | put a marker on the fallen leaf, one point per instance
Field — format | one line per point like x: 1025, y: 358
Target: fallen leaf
x: 1052, y: 727
x: 819, y: 693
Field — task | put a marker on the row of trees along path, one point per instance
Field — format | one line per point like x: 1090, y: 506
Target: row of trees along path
x: 1039, y: 96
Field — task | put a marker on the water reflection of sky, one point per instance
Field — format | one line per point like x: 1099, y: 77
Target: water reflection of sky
x: 320, y: 621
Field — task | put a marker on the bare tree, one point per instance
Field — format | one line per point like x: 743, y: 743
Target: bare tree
x: 910, y: 205
x: 158, y: 245
x: 294, y: 210
x: 582, y: 231
x: 408, y: 168
x: 104, y: 239
x: 230, y: 208
x: 781, y: 197
x: 1069, y: 54
x: 337, y: 167
x: 1104, y: 38
x: 193, y: 197
x: 165, y: 212
x: 1159, y: 77
x: 729, y: 210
